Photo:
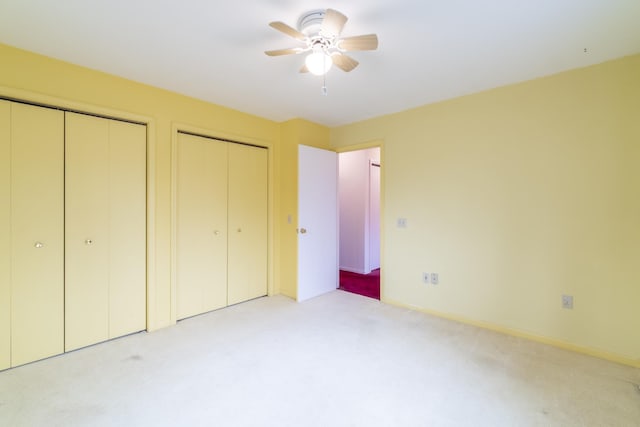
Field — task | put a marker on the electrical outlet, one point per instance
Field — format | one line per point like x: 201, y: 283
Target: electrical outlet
x: 567, y: 301
x: 434, y: 278
x: 425, y: 277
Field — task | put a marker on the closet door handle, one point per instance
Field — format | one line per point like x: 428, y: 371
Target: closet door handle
x: 216, y: 232
x: 38, y: 245
x: 88, y: 242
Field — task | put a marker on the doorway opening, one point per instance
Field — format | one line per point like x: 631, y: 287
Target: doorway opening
x: 359, y: 221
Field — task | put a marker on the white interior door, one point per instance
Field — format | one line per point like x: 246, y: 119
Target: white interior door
x: 374, y: 215
x: 317, y: 222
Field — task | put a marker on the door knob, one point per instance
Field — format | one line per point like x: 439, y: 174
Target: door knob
x: 216, y: 232
x: 303, y: 230
x: 88, y: 242
x: 239, y: 230
x: 38, y: 245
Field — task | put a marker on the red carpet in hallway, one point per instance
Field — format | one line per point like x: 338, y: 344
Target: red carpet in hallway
x: 361, y: 284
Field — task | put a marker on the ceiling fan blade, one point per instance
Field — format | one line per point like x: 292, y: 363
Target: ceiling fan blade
x: 333, y: 22
x: 282, y: 27
x: 366, y: 42
x: 279, y: 52
x: 344, y: 62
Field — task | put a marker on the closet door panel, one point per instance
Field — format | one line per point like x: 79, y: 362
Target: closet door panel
x: 247, y: 266
x: 201, y: 225
x: 192, y: 243
x: 37, y: 189
x: 215, y: 288
x: 5, y: 232
x: 86, y: 231
x: 127, y: 228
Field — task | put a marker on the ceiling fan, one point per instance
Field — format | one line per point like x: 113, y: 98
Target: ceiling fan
x: 319, y: 31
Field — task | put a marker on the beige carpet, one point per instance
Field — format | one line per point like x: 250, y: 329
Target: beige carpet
x: 336, y: 360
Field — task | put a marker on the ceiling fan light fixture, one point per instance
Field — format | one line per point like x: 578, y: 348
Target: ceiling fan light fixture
x: 318, y: 62
x: 319, y: 31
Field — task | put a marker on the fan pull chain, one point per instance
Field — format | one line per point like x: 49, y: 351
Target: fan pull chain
x: 324, y: 78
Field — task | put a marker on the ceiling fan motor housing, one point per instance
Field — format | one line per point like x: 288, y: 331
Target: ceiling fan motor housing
x: 311, y: 22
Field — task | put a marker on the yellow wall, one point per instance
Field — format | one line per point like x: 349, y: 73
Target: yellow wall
x: 32, y: 77
x: 516, y: 196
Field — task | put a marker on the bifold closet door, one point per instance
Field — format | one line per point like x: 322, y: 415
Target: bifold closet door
x: 248, y: 195
x: 105, y: 229
x: 31, y: 245
x: 201, y: 225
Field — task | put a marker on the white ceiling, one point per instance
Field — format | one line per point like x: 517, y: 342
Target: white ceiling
x: 429, y: 50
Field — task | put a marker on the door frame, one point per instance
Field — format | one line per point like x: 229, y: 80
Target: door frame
x: 376, y: 143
